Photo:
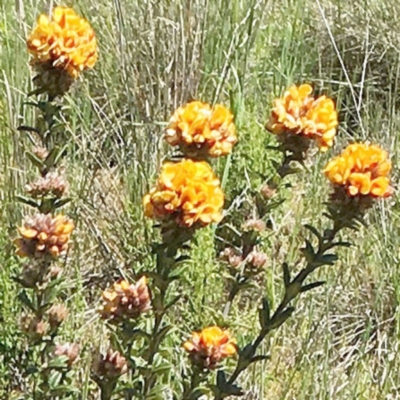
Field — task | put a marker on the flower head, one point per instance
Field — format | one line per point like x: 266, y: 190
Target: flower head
x: 64, y: 40
x: 44, y: 235
x: 52, y: 184
x: 299, y: 113
x: 188, y: 193
x: 56, y: 315
x: 210, y: 346
x: 362, y: 170
x: 110, y: 365
x: 69, y: 350
x: 34, y: 327
x: 124, y: 300
x: 198, y: 128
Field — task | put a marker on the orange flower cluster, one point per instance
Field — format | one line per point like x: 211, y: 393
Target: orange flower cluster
x: 362, y: 169
x: 125, y: 300
x: 210, y: 346
x: 298, y: 113
x: 188, y: 193
x: 198, y: 128
x: 44, y: 235
x: 65, y: 40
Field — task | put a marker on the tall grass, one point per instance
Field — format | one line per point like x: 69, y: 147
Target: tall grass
x: 156, y: 55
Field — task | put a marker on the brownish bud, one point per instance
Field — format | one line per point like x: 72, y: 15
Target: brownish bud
x: 40, y: 152
x: 70, y: 350
x: 125, y: 300
x: 54, y: 272
x: 257, y: 225
x: 109, y: 366
x: 34, y: 327
x: 52, y: 184
x: 57, y: 314
x: 232, y: 257
x: 267, y: 192
x: 256, y: 259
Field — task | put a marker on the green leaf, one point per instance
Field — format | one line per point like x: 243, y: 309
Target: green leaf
x: 313, y: 231
x: 61, y: 202
x: 162, y: 333
x: 27, y: 201
x: 264, y: 313
x: 260, y: 357
x: 225, y: 388
x: 172, y: 302
x: 328, y: 259
x: 24, y: 128
x: 36, y: 161
x: 55, y: 379
x: 282, y: 317
x: 342, y: 244
x: 286, y: 274
x: 311, y: 286
x: 308, y: 251
x: 221, y: 378
x: 59, y: 362
x: 24, y: 299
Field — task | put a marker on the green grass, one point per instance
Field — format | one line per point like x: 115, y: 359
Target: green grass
x: 343, y: 340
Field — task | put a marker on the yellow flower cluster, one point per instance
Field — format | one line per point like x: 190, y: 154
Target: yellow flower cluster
x: 210, y: 346
x: 299, y: 113
x: 362, y: 169
x: 65, y: 40
x: 44, y: 235
x: 200, y: 129
x: 188, y: 193
x: 125, y: 300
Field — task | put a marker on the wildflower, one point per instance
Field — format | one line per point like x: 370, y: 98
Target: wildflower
x: 210, y: 346
x: 188, y: 193
x: 69, y: 350
x: 198, y: 128
x: 52, y: 184
x: 40, y: 152
x: 35, y: 327
x: 232, y: 257
x: 44, y: 235
x: 109, y: 366
x: 62, y: 45
x: 267, y: 192
x: 65, y: 40
x: 298, y: 116
x: 57, y: 314
x: 257, y: 225
x: 362, y: 170
x: 256, y: 260
x: 125, y: 300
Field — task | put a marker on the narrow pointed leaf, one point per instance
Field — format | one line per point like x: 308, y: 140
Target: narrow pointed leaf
x: 311, y: 286
x: 27, y: 201
x: 264, y: 313
x: 313, y: 231
x: 260, y: 358
x: 286, y: 274
x: 25, y: 128
x: 36, y: 161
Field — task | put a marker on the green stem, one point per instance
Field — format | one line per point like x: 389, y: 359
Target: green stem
x: 232, y: 294
x: 196, y: 378
x: 292, y: 291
